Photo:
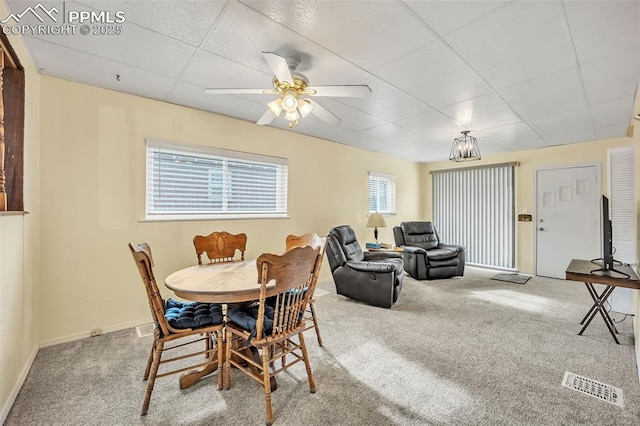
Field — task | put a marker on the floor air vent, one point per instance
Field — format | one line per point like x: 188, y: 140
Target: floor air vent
x: 145, y: 330
x: 593, y: 388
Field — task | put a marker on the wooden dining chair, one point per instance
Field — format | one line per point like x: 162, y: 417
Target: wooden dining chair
x: 264, y: 327
x: 220, y: 246
x: 174, y: 320
x: 314, y: 241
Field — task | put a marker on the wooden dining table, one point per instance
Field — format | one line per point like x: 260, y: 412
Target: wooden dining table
x: 235, y: 282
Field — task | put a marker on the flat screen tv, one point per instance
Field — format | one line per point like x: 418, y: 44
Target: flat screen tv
x: 608, y: 262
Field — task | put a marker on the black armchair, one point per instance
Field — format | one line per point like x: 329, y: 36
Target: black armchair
x: 425, y: 257
x: 374, y: 278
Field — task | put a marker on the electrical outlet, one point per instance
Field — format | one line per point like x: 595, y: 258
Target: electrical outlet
x: 96, y: 332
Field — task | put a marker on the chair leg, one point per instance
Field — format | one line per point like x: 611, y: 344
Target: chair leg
x: 266, y: 384
x: 227, y: 362
x: 305, y: 356
x: 149, y: 361
x: 157, y: 354
x: 315, y: 323
x: 220, y: 358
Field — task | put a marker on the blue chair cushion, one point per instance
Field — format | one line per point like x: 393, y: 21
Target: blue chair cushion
x: 247, y: 317
x: 192, y: 314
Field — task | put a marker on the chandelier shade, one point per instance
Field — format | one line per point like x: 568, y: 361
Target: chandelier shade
x: 465, y: 148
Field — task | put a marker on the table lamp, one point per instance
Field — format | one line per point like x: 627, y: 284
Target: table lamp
x: 375, y: 220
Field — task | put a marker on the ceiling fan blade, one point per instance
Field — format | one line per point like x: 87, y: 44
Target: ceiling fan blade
x: 239, y: 91
x: 266, y: 118
x: 353, y: 91
x: 324, y: 114
x: 279, y: 66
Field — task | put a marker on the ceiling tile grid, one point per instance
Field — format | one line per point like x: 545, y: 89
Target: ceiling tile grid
x: 518, y: 74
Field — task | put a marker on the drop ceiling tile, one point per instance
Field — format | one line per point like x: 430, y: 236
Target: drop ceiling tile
x: 616, y: 131
x: 368, y: 34
x: 213, y: 71
x: 241, y: 34
x: 600, y: 28
x: 392, y: 135
x: 136, y: 46
x: 433, y: 124
x: 552, y: 94
x: 434, y: 75
x: 519, y: 42
x: 352, y: 119
x: 577, y: 137
x: 446, y: 16
x: 563, y: 124
x: 514, y: 137
x: 386, y: 102
x: 482, y: 112
x: 191, y: 95
x: 69, y: 64
x: 190, y: 22
x: 612, y: 77
x: 617, y: 111
x: 421, y: 152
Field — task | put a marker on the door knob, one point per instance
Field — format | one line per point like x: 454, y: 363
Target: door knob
x: 540, y: 229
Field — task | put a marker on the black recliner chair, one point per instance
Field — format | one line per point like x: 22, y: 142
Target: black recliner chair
x: 374, y: 278
x: 425, y: 257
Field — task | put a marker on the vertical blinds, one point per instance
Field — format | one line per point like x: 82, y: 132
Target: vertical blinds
x: 186, y: 180
x: 382, y: 193
x: 474, y: 208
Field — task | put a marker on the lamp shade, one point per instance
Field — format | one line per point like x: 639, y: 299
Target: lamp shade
x: 376, y: 220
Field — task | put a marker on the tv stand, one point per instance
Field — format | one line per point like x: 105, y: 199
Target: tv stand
x: 580, y: 270
x: 605, y: 270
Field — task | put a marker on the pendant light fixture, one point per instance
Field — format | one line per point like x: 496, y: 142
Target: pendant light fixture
x: 465, y: 148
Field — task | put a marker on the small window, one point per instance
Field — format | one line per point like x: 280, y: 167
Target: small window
x: 185, y: 181
x: 382, y: 193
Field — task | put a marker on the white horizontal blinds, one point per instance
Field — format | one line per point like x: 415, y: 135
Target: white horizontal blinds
x: 382, y: 193
x: 187, y: 180
x: 622, y: 203
x: 474, y: 208
x: 622, y: 207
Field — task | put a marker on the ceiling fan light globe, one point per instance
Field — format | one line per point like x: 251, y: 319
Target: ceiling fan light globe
x: 305, y: 107
x: 292, y: 116
x: 276, y: 106
x: 290, y: 101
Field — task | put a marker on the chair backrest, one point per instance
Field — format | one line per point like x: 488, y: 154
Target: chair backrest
x: 293, y: 272
x: 419, y: 234
x: 220, y: 246
x: 309, y: 240
x: 144, y: 261
x: 348, y: 242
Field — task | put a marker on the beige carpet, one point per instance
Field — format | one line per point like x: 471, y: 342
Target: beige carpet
x: 463, y: 351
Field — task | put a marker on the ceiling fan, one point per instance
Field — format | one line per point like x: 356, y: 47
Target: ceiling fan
x: 294, y: 91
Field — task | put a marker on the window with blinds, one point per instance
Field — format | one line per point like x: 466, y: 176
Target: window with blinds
x: 193, y: 181
x: 474, y: 207
x: 382, y: 193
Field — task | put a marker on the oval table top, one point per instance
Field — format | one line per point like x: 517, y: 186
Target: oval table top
x: 229, y: 282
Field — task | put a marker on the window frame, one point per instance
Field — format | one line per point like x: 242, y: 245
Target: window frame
x: 393, y: 181
x: 225, y: 155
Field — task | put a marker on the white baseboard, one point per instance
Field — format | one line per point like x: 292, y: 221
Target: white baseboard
x: 85, y: 334
x: 4, y: 412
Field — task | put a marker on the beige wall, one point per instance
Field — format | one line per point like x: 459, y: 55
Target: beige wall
x: 19, y: 262
x: 530, y: 160
x: 93, y: 197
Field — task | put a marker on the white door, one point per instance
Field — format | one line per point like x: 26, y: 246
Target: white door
x: 567, y: 218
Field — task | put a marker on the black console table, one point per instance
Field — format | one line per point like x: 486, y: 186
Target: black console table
x: 580, y: 270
